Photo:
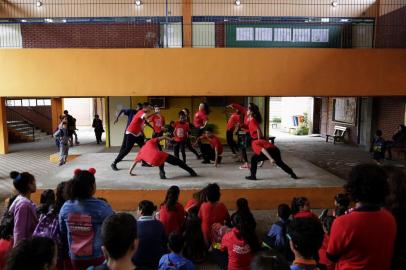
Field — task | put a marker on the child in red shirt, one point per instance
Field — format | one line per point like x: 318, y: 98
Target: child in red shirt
x: 151, y: 154
x: 181, y: 134
x: 327, y: 223
x: 235, y: 121
x: 212, y: 211
x: 201, y: 116
x: 212, y: 152
x: 301, y: 208
x: 240, y: 243
x: 197, y: 200
x: 6, y: 235
x: 171, y: 213
x: 158, y: 122
x: 264, y: 150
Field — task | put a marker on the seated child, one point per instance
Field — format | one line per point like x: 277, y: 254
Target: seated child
x: 175, y: 260
x: 151, y: 154
x: 213, y: 151
x: 276, y: 238
x: 342, y: 204
x: 301, y: 208
x: 306, y: 237
x: 327, y: 223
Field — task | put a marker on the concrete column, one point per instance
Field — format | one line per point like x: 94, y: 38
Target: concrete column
x: 56, y: 111
x: 187, y: 23
x: 3, y: 127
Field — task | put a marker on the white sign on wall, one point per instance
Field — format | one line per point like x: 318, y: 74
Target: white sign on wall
x: 301, y: 35
x: 245, y: 33
x: 283, y: 34
x: 263, y: 34
x: 320, y: 35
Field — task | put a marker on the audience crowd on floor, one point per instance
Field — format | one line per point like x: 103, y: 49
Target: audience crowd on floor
x: 72, y: 229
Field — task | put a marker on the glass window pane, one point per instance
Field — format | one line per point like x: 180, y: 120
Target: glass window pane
x: 10, y: 103
x: 40, y: 102
x: 47, y: 102
x: 17, y: 102
x: 33, y: 102
x: 26, y: 102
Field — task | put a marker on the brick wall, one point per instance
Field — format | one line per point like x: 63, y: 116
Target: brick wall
x: 391, y: 29
x: 327, y: 123
x: 101, y: 35
x: 389, y: 113
x: 220, y: 35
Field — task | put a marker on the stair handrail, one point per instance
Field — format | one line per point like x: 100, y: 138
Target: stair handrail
x: 25, y: 120
x: 39, y: 113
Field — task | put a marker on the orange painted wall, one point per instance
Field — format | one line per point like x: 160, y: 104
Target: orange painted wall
x: 188, y: 72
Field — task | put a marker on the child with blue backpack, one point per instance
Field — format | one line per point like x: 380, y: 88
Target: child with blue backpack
x: 378, y: 147
x: 175, y: 260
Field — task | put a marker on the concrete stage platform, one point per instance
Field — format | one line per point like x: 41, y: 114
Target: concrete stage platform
x: 273, y: 187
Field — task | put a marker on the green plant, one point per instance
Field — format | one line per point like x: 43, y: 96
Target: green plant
x: 277, y: 120
x: 303, y: 128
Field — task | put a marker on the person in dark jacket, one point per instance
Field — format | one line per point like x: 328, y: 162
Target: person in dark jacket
x: 98, y: 128
x: 398, y: 139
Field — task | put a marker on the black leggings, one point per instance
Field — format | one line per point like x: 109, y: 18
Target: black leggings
x: 98, y: 135
x: 230, y: 141
x: 276, y: 155
x: 208, y: 153
x: 128, y: 143
x: 180, y: 145
x: 190, y: 147
x: 176, y: 162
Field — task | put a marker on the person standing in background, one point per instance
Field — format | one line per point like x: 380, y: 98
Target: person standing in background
x: 98, y: 128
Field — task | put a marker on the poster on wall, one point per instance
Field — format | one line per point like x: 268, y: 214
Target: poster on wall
x: 283, y: 34
x: 320, y: 35
x: 263, y: 34
x: 301, y: 35
x: 345, y: 110
x: 245, y: 34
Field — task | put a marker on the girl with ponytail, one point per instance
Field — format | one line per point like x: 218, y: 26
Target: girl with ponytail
x: 23, y: 210
x: 172, y: 213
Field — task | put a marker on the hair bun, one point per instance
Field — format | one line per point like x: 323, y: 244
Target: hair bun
x: 92, y: 170
x: 14, y: 174
x: 77, y: 171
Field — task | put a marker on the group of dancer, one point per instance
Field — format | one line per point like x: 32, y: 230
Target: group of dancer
x: 245, y: 122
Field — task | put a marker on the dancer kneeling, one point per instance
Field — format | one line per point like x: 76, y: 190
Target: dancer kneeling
x: 151, y: 154
x: 264, y: 150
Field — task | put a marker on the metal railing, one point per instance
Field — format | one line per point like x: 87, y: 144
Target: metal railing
x: 14, y: 117
x: 213, y: 23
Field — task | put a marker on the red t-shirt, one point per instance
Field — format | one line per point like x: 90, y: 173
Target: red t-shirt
x: 211, y: 213
x: 239, y: 252
x: 257, y: 146
x: 150, y: 153
x: 304, y: 214
x: 181, y: 131
x: 253, y: 127
x: 172, y: 220
x: 232, y: 121
x: 5, y: 247
x: 191, y: 203
x: 363, y: 239
x: 158, y: 122
x: 200, y: 119
x: 215, y: 142
x: 136, y: 125
x: 322, y: 254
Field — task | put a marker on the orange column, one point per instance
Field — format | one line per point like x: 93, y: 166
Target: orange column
x: 3, y: 127
x: 187, y: 23
x: 56, y: 111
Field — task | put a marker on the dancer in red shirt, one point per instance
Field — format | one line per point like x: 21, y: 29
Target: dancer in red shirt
x: 158, y: 122
x: 264, y: 150
x: 233, y: 123
x: 151, y: 154
x: 134, y: 133
x: 181, y: 134
x: 214, y: 150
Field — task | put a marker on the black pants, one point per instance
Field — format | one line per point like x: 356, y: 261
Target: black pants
x: 128, y: 143
x: 276, y: 155
x: 244, y: 140
x: 190, y: 147
x: 180, y: 146
x: 230, y: 141
x: 98, y: 134
x: 208, y: 153
x: 175, y: 162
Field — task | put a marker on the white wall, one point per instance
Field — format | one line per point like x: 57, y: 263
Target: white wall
x: 290, y: 106
x: 117, y: 130
x: 81, y: 109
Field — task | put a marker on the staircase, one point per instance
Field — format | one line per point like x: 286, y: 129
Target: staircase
x: 22, y: 131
